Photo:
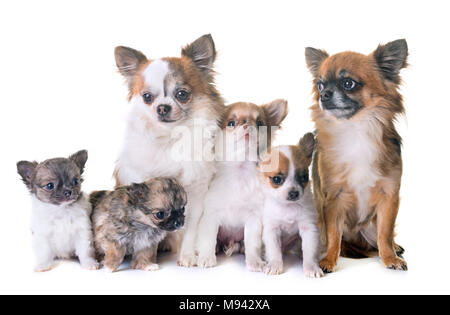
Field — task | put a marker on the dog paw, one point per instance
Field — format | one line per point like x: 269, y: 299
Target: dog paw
x: 274, y: 268
x: 327, y: 265
x: 207, y: 261
x: 395, y: 263
x: 189, y: 260
x: 90, y: 264
x: 313, y: 271
x: 255, y: 265
x: 44, y: 267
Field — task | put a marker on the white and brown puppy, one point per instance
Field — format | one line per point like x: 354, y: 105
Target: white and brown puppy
x: 173, y: 100
x: 61, y: 223
x: 289, y: 209
x: 233, y: 205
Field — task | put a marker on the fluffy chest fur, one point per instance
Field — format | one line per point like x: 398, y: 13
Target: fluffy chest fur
x: 60, y: 225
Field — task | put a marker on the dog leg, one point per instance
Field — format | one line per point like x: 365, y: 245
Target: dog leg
x: 274, y: 255
x: 145, y: 259
x: 253, y: 245
x: 114, y: 255
x: 206, y: 244
x: 310, y: 249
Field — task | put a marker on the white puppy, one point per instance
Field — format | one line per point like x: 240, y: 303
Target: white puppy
x: 61, y: 223
x: 233, y: 205
x: 289, y: 207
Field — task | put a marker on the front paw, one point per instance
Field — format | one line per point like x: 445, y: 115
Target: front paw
x: 145, y: 266
x: 327, y: 265
x: 274, y: 268
x: 255, y: 265
x: 395, y: 263
x: 187, y: 260
x: 90, y: 264
x: 207, y: 261
x: 44, y: 267
x: 313, y: 271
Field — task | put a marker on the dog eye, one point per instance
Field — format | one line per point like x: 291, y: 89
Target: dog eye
x: 259, y: 123
x: 278, y: 180
x: 320, y: 86
x: 348, y: 84
x: 160, y: 215
x: 182, y: 210
x: 75, y: 182
x: 50, y: 186
x: 302, y: 178
x: 231, y: 124
x: 182, y: 96
x: 148, y: 98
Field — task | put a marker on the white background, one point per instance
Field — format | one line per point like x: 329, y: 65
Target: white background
x: 60, y: 92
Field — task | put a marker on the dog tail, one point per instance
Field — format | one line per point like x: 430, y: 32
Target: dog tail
x: 96, y: 196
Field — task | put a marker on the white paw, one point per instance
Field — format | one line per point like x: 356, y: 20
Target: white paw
x: 110, y: 269
x: 274, y: 268
x: 255, y: 265
x: 207, y: 261
x: 313, y: 271
x: 44, y: 267
x: 90, y: 264
x: 151, y: 267
x: 187, y: 260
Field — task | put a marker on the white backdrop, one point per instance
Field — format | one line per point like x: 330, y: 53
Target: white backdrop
x: 60, y: 92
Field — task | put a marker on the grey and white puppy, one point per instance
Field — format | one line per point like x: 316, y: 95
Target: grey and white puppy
x: 61, y: 224
x: 132, y: 220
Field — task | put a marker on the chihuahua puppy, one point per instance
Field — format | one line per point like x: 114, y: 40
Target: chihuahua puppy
x: 174, y: 105
x: 132, y: 220
x: 358, y: 166
x: 233, y: 205
x: 289, y: 207
x: 60, y: 224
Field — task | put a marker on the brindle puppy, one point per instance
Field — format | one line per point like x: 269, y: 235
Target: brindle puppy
x: 132, y: 220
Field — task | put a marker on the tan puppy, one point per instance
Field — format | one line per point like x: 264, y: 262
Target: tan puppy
x: 357, y: 168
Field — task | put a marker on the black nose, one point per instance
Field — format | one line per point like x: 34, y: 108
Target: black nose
x: 163, y: 110
x: 326, y: 95
x: 67, y: 193
x: 293, y: 195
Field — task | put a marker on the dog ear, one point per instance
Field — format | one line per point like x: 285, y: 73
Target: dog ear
x: 276, y: 111
x: 203, y: 53
x: 307, y: 144
x: 128, y: 60
x: 391, y: 58
x: 26, y: 170
x: 314, y: 58
x: 79, y: 159
x: 137, y: 193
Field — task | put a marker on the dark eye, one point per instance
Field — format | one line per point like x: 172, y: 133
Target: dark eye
x: 320, y: 86
x: 148, y: 98
x: 50, y: 186
x: 231, y: 124
x: 160, y: 215
x: 259, y: 123
x: 302, y: 178
x: 182, y: 210
x: 277, y: 180
x: 348, y: 84
x: 75, y: 182
x: 182, y: 96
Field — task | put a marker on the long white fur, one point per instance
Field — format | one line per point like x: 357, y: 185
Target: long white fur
x: 282, y: 220
x: 62, y: 232
x: 148, y: 148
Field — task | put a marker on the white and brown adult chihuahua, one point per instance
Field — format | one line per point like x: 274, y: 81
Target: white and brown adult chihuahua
x: 234, y: 202
x: 173, y: 120
x: 61, y: 223
x: 289, y: 210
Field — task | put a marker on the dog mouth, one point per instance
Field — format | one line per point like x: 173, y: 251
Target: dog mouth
x: 166, y: 120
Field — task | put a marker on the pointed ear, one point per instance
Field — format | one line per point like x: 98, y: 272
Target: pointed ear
x: 276, y: 111
x: 26, y: 170
x: 391, y: 58
x: 307, y: 144
x: 137, y: 193
x: 314, y: 58
x: 128, y: 60
x: 203, y: 53
x: 79, y: 159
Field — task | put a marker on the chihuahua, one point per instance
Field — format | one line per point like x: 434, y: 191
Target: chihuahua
x: 289, y: 207
x: 132, y: 220
x: 61, y: 224
x: 358, y: 166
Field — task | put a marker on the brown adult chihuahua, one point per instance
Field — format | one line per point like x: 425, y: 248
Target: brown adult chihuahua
x: 357, y: 166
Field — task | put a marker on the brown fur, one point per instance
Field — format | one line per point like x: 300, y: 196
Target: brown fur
x: 335, y: 199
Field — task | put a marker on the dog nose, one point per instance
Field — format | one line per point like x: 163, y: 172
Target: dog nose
x: 326, y: 95
x: 67, y: 193
x: 178, y: 223
x: 293, y: 195
x: 163, y: 110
